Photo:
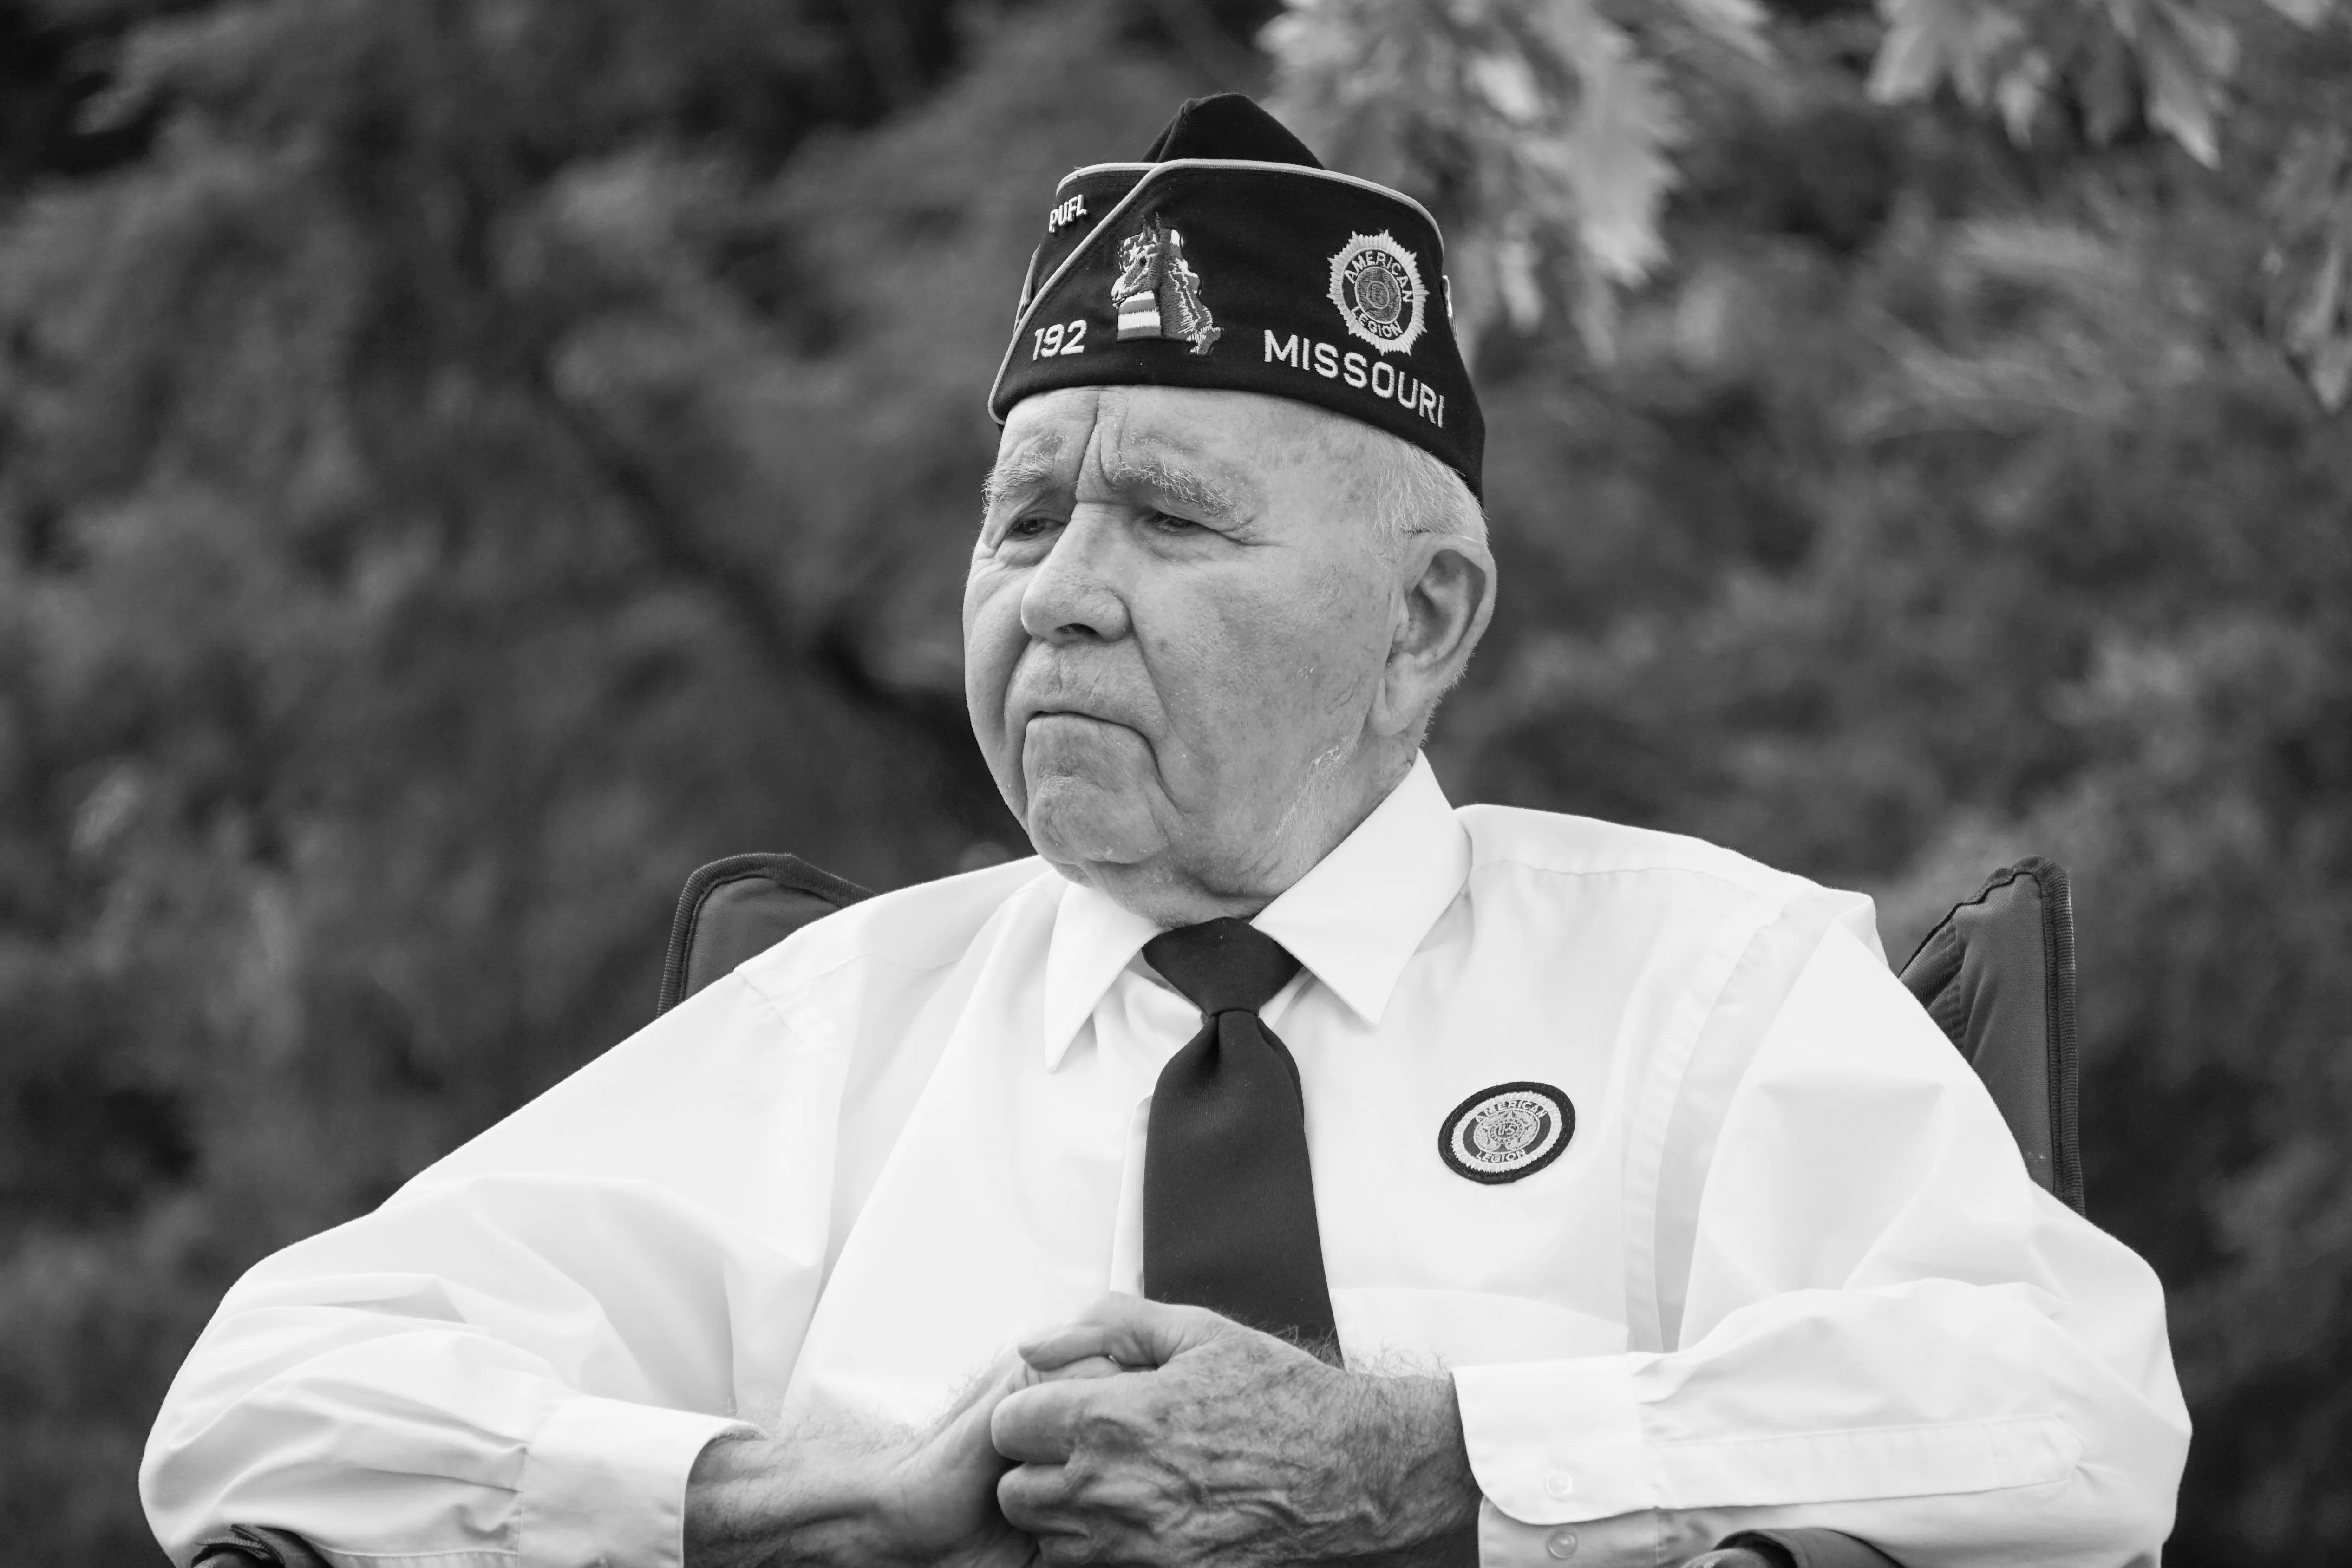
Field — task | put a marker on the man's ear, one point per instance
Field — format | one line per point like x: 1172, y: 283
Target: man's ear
x: 1445, y: 596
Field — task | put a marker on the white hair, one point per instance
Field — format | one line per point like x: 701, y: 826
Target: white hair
x: 1410, y: 491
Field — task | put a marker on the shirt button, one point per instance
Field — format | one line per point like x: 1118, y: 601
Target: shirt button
x: 1562, y: 1544
x: 1560, y: 1483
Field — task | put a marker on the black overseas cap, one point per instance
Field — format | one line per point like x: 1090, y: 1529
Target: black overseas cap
x: 1231, y: 259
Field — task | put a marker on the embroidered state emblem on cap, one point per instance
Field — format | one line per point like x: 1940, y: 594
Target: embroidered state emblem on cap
x: 1508, y: 1131
x: 1217, y: 264
x: 1377, y: 287
x: 1157, y: 296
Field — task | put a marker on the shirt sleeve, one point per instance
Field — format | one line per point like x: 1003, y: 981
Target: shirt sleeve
x: 1884, y: 1327
x: 516, y: 1361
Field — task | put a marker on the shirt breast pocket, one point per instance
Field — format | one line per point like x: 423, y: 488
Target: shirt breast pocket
x: 1398, y: 1330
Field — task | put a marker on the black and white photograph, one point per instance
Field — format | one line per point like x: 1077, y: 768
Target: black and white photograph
x: 1175, y: 784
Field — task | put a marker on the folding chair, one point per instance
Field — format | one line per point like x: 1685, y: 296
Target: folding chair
x: 1997, y: 974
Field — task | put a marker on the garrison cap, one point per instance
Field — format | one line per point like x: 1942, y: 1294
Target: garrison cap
x: 1228, y: 257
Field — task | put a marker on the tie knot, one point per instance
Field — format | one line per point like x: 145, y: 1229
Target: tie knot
x: 1221, y: 965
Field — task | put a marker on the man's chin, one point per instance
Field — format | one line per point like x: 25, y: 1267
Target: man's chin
x: 1076, y: 823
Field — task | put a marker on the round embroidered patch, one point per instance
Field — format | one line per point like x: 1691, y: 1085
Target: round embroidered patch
x: 1376, y: 284
x: 1510, y: 1131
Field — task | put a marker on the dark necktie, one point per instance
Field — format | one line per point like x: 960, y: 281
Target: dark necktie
x: 1228, y: 1200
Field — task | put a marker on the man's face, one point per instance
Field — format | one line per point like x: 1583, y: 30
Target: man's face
x: 1174, y: 623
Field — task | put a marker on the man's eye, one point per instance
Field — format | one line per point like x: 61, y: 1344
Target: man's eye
x: 1167, y: 522
x: 1034, y: 526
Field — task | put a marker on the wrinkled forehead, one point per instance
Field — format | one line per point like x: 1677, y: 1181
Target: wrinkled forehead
x: 1222, y: 450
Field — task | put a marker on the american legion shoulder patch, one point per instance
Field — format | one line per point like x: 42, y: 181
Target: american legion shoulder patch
x: 1506, y: 1132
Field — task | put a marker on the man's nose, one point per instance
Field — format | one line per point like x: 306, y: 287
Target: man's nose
x: 1073, y: 595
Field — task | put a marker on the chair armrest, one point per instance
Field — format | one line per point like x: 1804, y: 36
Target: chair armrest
x: 1796, y: 1548
x: 255, y: 1546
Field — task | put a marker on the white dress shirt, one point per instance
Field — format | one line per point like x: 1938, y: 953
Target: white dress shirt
x: 1790, y: 1270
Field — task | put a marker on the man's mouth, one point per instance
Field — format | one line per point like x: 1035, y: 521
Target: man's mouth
x: 1044, y: 713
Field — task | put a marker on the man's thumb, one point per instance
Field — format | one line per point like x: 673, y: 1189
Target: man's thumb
x: 1130, y: 1330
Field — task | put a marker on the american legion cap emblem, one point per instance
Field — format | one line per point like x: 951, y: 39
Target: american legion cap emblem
x: 1506, y: 1132
x: 1216, y: 262
x: 1377, y: 286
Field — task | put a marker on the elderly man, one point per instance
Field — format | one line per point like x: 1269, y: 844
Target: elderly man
x: 1287, y: 1166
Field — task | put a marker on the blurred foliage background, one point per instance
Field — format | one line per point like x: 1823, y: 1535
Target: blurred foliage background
x: 465, y: 462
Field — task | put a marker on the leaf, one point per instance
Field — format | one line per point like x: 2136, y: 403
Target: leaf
x: 1542, y: 131
x: 1985, y: 51
x: 2303, y: 13
x: 1507, y: 85
x: 2169, y: 61
x: 2318, y: 334
x: 2329, y: 371
x: 2186, y: 58
x: 2021, y: 91
x: 2309, y: 208
x: 1613, y: 157
x: 1623, y: 127
x: 1738, y: 22
x: 2321, y: 312
x: 1926, y: 42
x: 1515, y: 261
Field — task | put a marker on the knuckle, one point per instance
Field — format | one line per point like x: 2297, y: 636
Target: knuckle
x: 1105, y: 1433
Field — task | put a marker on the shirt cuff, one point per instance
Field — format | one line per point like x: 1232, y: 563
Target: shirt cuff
x: 1629, y: 1541
x: 1556, y: 1442
x: 604, y: 1482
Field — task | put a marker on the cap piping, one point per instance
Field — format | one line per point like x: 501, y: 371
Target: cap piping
x: 1029, y: 307
x: 1259, y: 163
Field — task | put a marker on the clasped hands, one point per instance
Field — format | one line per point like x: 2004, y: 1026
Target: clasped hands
x: 1138, y: 1433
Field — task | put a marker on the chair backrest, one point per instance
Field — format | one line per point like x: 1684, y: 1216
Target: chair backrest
x: 1998, y: 975
x: 737, y: 908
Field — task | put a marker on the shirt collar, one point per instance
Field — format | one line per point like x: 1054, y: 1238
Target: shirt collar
x: 1354, y: 919
x: 1094, y: 939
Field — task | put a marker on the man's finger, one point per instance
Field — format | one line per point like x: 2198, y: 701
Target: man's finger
x: 1043, y: 1502
x: 1033, y: 1498
x: 1130, y: 1330
x: 1086, y: 1366
x: 1041, y: 1424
